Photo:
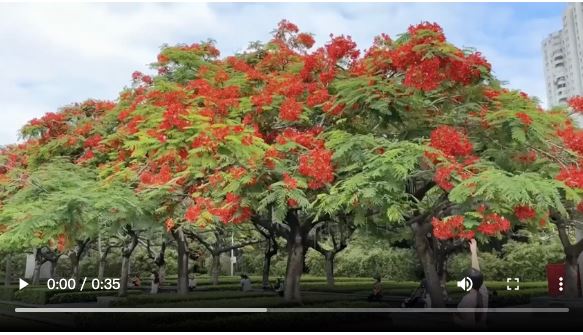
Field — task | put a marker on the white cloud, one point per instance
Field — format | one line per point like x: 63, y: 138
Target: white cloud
x: 53, y: 55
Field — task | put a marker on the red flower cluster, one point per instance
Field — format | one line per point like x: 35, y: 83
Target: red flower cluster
x: 53, y: 125
x: 318, y: 97
x: 139, y: 77
x: 290, y: 181
x: 493, y: 224
x: 163, y: 176
x: 194, y: 211
x: 270, y: 157
x: 427, y: 71
x: 572, y: 137
x: 340, y: 47
x: 86, y: 156
x: 92, y: 141
x: 451, y: 227
x: 306, y: 139
x: 306, y: 40
x: 175, y: 114
x: 576, y: 103
x: 524, y: 212
x: 284, y: 26
x: 231, y: 211
x: 524, y: 118
x: 317, y: 164
x: 442, y: 176
x: 290, y: 110
x: 450, y: 141
x: 572, y: 176
x: 242, y: 66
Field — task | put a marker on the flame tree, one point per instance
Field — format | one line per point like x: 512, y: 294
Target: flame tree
x: 414, y: 132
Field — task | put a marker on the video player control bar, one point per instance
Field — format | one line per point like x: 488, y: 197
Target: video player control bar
x: 289, y: 310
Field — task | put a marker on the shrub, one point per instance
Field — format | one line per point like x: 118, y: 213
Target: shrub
x: 37, y: 295
x: 491, y: 265
x: 7, y: 293
x: 167, y: 298
x: 526, y: 260
x: 359, y: 261
x: 88, y: 296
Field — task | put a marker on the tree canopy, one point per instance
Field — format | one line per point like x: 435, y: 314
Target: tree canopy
x: 412, y: 132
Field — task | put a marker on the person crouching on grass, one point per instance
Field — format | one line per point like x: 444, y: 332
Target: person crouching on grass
x: 476, y: 298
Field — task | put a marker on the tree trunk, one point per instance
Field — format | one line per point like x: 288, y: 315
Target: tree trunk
x: 295, y: 260
x: 53, y: 267
x: 125, y: 273
x: 162, y: 273
x: 182, y: 260
x: 101, y: 269
x: 270, y: 251
x: 329, y: 268
x: 38, y: 262
x: 126, y: 253
x: 571, y: 277
x: 36, y: 273
x: 426, y: 257
x: 442, y: 270
x: 572, y: 252
x: 216, y: 268
x: 102, y: 258
x: 266, y: 269
x: 160, y: 262
x: 8, y: 271
x: 75, y: 268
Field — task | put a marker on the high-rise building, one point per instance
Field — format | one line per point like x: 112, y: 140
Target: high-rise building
x: 563, y: 57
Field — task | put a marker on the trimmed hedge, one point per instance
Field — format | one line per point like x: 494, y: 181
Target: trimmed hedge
x: 43, y: 296
x: 171, y: 298
x: 7, y: 293
x: 87, y: 296
x: 37, y: 295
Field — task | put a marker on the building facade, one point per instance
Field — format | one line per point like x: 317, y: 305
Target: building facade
x: 563, y: 58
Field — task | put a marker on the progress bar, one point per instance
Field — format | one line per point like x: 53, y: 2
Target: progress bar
x: 290, y: 310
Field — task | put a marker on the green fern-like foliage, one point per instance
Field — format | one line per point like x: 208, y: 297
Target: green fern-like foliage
x: 63, y: 198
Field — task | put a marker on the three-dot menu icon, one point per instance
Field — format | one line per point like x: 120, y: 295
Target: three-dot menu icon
x: 561, y: 284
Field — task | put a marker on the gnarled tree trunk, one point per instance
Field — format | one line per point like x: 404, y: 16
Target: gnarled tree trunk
x: 101, y: 269
x: 426, y: 256
x: 38, y: 262
x: 571, y: 276
x: 103, y: 253
x: 572, y: 252
x: 295, y: 260
x: 125, y: 273
x: 8, y: 270
x: 270, y: 251
x: 215, y: 268
x: 329, y: 267
x: 183, y: 255
x: 75, y: 257
x: 126, y: 253
x: 53, y: 267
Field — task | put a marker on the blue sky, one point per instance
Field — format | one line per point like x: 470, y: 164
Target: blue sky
x: 57, y: 54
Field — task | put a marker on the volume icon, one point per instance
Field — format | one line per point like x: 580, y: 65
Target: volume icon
x: 465, y: 284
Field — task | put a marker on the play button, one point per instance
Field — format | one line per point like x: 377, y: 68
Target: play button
x: 23, y: 284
